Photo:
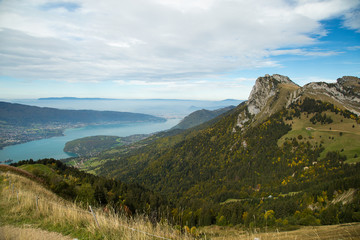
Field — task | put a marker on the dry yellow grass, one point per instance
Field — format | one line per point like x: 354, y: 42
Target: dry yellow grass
x: 343, y: 232
x: 24, y: 199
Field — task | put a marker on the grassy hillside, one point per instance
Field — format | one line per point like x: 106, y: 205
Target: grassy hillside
x: 342, y: 135
x: 84, y: 188
x: 92, y: 146
x: 27, y: 209
x: 25, y: 202
x: 39, y: 170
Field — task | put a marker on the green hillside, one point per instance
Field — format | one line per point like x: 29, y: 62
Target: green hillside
x: 29, y: 208
x: 30, y: 211
x: 91, y: 146
x: 198, y: 117
x: 280, y: 160
x: 342, y: 135
x: 200, y: 169
x: 40, y: 170
x: 85, y: 188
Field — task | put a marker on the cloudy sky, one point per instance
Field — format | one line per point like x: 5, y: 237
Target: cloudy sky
x: 183, y: 49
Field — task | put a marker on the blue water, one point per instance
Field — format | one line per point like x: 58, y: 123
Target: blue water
x: 53, y: 147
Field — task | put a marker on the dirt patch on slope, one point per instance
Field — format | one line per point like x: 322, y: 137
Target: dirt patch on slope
x: 16, y: 233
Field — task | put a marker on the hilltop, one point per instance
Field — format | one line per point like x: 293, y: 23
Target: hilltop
x: 200, y: 116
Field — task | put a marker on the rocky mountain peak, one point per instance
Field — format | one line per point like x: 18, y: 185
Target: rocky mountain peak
x: 349, y: 84
x: 345, y: 92
x: 282, y: 79
x: 271, y: 93
x: 265, y: 88
x: 349, y: 80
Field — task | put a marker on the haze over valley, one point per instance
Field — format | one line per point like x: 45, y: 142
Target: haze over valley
x: 190, y: 119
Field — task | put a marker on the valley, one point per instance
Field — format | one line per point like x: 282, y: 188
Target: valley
x: 171, y: 120
x: 54, y: 147
x: 283, y: 160
x: 307, y: 145
x: 23, y: 123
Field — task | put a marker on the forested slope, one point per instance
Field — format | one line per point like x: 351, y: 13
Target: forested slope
x: 85, y: 188
x: 200, y: 116
x: 246, y: 163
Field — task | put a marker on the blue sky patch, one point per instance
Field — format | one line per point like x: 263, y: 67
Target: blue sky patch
x: 69, y: 6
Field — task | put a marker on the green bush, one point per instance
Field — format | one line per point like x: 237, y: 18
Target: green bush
x: 329, y: 215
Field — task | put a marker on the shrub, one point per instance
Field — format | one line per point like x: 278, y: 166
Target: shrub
x: 329, y: 215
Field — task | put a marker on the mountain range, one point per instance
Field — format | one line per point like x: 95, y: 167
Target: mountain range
x: 295, y: 147
x: 23, y: 114
x: 287, y: 157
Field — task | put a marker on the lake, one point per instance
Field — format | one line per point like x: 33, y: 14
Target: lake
x: 172, y: 109
x: 53, y: 147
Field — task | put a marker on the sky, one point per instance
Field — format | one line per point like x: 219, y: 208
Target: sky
x: 172, y: 49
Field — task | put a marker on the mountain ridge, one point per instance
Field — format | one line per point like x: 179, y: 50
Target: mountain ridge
x: 271, y: 93
x: 17, y: 113
x: 200, y: 116
x: 254, y: 160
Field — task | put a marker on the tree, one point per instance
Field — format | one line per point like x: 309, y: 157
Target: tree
x: 85, y: 193
x: 329, y: 215
x: 269, y: 217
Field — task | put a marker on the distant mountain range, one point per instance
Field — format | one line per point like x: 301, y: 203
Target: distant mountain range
x: 74, y: 98
x: 153, y: 99
x: 14, y: 113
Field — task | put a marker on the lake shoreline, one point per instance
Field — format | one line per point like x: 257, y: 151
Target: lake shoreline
x: 58, y: 131
x: 53, y: 147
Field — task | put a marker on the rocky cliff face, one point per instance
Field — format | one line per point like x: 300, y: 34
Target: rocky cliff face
x: 271, y: 93
x: 345, y: 92
x: 265, y: 88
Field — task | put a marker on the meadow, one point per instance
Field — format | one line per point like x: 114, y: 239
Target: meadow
x: 342, y: 135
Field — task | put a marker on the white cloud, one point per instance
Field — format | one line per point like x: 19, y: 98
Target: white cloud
x: 352, y: 20
x: 321, y: 10
x: 157, y: 40
x: 354, y: 48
